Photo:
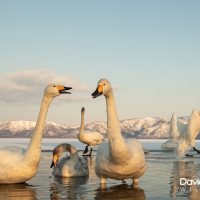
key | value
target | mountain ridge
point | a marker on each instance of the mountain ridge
(143, 128)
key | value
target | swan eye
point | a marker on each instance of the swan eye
(104, 84)
(54, 86)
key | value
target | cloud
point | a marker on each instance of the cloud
(27, 86)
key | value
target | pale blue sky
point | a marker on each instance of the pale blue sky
(149, 50)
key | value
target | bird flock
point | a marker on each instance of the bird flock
(116, 158)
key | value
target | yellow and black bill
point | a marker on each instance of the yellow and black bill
(98, 91)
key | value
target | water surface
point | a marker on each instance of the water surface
(161, 180)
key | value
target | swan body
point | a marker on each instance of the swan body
(187, 138)
(68, 166)
(129, 167)
(117, 158)
(18, 165)
(90, 138)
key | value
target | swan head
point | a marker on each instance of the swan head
(82, 110)
(58, 151)
(54, 90)
(103, 87)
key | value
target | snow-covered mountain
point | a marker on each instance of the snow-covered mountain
(148, 127)
(26, 128)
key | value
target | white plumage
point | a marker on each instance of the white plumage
(173, 133)
(69, 166)
(18, 165)
(183, 135)
(90, 138)
(118, 158)
(187, 138)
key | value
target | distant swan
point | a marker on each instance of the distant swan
(18, 165)
(68, 166)
(118, 158)
(91, 138)
(186, 140)
(173, 133)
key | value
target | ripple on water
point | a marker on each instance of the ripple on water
(161, 181)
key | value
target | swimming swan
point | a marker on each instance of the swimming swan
(18, 165)
(68, 166)
(91, 138)
(118, 158)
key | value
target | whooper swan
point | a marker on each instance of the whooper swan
(187, 138)
(18, 165)
(173, 133)
(68, 166)
(90, 138)
(118, 158)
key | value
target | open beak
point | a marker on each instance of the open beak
(63, 90)
(98, 91)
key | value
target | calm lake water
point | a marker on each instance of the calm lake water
(161, 180)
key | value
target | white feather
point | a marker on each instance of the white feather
(175, 131)
(118, 158)
(187, 138)
(90, 138)
(18, 165)
(71, 166)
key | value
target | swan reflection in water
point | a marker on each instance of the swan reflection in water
(80, 187)
(188, 170)
(122, 191)
(68, 188)
(17, 191)
(76, 188)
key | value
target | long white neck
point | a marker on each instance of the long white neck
(118, 148)
(174, 133)
(32, 155)
(82, 126)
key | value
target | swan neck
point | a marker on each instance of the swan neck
(194, 125)
(112, 118)
(34, 148)
(82, 126)
(174, 133)
(117, 146)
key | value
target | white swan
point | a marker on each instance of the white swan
(68, 166)
(173, 133)
(118, 158)
(18, 165)
(187, 138)
(91, 138)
